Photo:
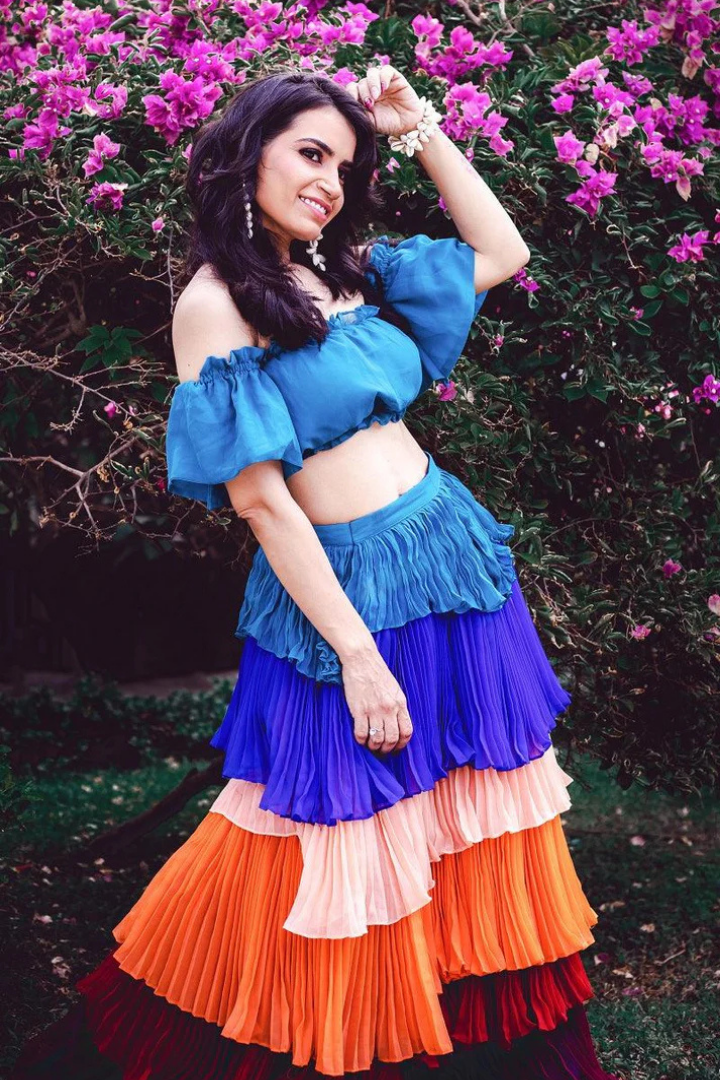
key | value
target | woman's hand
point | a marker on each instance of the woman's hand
(376, 700)
(391, 99)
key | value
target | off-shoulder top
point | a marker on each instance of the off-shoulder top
(263, 404)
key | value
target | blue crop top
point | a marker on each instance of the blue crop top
(263, 404)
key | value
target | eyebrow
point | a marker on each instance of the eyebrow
(322, 145)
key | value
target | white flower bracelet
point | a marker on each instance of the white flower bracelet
(410, 141)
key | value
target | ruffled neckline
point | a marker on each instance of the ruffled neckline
(247, 357)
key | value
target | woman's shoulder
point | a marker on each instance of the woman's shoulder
(206, 298)
(206, 320)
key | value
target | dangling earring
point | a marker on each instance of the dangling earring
(248, 213)
(317, 258)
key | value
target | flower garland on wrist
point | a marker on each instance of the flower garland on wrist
(411, 141)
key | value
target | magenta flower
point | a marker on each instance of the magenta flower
(709, 389)
(158, 224)
(569, 149)
(103, 149)
(106, 196)
(639, 632)
(393, 164)
(185, 104)
(563, 104)
(446, 391)
(690, 248)
(714, 603)
(596, 186)
(669, 568)
(111, 101)
(111, 408)
(524, 281)
(629, 44)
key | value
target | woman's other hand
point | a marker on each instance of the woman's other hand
(376, 700)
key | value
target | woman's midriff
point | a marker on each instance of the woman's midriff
(356, 477)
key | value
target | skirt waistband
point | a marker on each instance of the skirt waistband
(360, 528)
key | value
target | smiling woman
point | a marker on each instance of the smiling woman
(383, 885)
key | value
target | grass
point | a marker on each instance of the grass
(648, 863)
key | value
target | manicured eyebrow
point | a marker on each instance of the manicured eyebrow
(322, 145)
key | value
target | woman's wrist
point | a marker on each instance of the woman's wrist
(356, 647)
(413, 141)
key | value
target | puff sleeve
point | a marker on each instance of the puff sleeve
(431, 283)
(232, 416)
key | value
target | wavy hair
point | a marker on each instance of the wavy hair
(226, 153)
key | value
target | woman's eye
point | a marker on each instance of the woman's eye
(311, 150)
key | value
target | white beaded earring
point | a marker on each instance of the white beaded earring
(317, 258)
(248, 214)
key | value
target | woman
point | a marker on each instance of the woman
(383, 884)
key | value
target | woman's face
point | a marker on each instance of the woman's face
(294, 168)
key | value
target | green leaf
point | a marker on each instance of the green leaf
(639, 327)
(574, 391)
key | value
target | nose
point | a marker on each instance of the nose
(331, 186)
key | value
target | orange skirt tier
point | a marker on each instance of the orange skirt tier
(207, 935)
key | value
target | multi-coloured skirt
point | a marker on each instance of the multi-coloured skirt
(338, 912)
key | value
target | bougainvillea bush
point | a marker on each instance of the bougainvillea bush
(585, 409)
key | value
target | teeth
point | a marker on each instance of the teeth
(311, 202)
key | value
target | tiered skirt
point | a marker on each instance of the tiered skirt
(338, 912)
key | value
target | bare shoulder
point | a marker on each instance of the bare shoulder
(205, 323)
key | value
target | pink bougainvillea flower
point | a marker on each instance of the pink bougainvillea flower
(429, 30)
(106, 196)
(41, 135)
(186, 103)
(629, 44)
(639, 632)
(563, 104)
(709, 390)
(499, 340)
(103, 149)
(669, 568)
(714, 603)
(447, 390)
(690, 248)
(111, 100)
(111, 408)
(524, 281)
(344, 76)
(158, 224)
(596, 186)
(393, 164)
(569, 149)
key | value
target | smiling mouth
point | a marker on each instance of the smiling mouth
(315, 207)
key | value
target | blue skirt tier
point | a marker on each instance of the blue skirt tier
(433, 577)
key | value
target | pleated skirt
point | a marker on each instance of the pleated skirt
(336, 912)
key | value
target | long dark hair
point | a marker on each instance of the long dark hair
(225, 153)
